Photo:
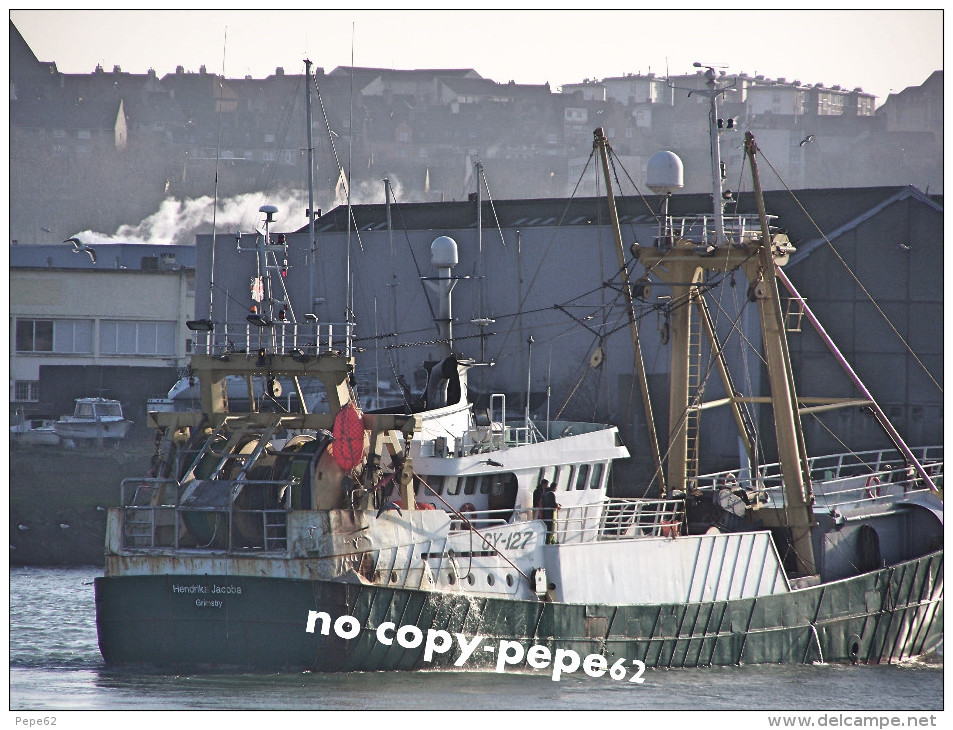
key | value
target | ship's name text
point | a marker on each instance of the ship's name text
(206, 590)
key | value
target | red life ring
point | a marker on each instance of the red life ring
(873, 487)
(348, 431)
(465, 511)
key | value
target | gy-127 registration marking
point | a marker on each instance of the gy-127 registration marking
(509, 539)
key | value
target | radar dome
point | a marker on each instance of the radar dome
(443, 252)
(664, 173)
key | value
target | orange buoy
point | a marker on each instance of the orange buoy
(348, 434)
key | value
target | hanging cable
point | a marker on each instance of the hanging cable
(852, 275)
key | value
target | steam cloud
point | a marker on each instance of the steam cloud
(178, 221)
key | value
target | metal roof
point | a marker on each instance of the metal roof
(831, 209)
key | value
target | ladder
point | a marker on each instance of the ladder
(695, 392)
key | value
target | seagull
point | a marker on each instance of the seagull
(809, 138)
(64, 526)
(905, 246)
(22, 527)
(80, 246)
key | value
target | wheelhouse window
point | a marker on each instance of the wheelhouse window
(598, 470)
(568, 474)
(108, 409)
(582, 476)
(436, 487)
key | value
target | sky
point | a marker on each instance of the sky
(879, 51)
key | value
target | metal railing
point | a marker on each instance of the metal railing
(701, 228)
(155, 517)
(611, 519)
(309, 338)
(840, 479)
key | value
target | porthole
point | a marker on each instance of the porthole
(450, 578)
(471, 579)
(393, 576)
(509, 579)
(490, 580)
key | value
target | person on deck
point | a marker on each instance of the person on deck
(538, 498)
(549, 507)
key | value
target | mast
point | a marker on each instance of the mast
(390, 223)
(717, 177)
(307, 96)
(479, 226)
(602, 144)
(792, 454)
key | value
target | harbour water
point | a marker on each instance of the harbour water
(55, 665)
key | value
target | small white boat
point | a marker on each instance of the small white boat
(33, 431)
(94, 419)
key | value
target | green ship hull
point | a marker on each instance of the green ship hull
(242, 623)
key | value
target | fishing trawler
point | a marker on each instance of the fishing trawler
(338, 541)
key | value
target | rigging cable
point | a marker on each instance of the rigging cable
(853, 276)
(542, 258)
(337, 159)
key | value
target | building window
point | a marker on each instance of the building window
(26, 390)
(65, 336)
(119, 337)
(73, 336)
(34, 335)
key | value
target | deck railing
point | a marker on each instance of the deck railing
(309, 338)
(612, 519)
(840, 479)
(702, 228)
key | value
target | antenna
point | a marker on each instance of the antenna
(311, 253)
(717, 171)
(218, 149)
